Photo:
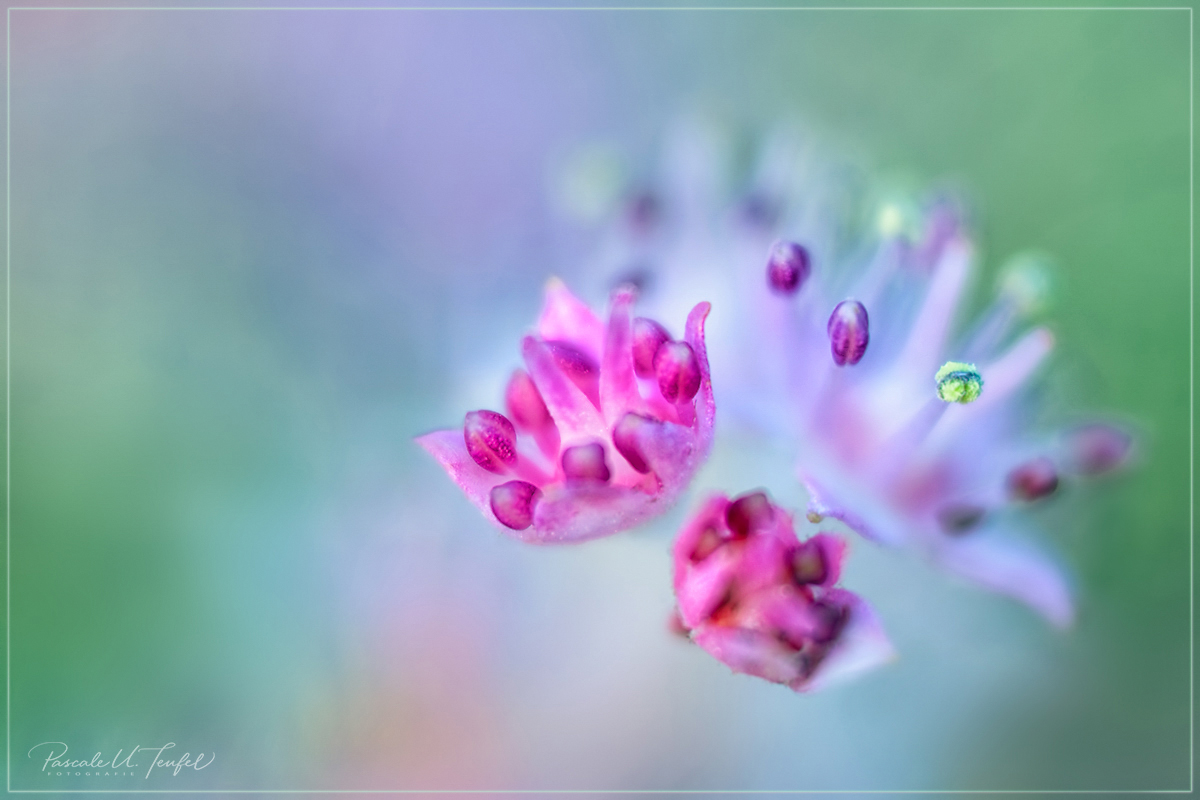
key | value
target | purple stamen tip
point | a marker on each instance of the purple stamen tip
(678, 372)
(808, 563)
(513, 503)
(960, 518)
(748, 513)
(788, 267)
(848, 335)
(1098, 448)
(1033, 480)
(525, 403)
(624, 437)
(491, 440)
(585, 462)
(648, 336)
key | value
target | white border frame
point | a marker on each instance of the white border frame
(9, 11)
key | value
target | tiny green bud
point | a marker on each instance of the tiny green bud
(958, 382)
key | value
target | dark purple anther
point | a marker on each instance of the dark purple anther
(808, 563)
(513, 503)
(491, 440)
(648, 336)
(848, 335)
(788, 267)
(577, 365)
(525, 404)
(1099, 448)
(678, 372)
(624, 438)
(1033, 480)
(960, 518)
(748, 513)
(585, 462)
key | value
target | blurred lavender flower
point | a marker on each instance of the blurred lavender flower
(604, 430)
(837, 347)
(764, 603)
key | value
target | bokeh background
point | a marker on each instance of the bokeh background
(254, 252)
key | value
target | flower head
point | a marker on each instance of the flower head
(762, 602)
(842, 347)
(605, 426)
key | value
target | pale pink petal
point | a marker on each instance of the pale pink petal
(618, 384)
(673, 453)
(450, 450)
(567, 318)
(867, 517)
(706, 409)
(575, 415)
(576, 513)
(861, 646)
(927, 338)
(750, 652)
(1013, 568)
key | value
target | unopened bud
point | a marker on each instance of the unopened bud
(678, 372)
(624, 438)
(958, 382)
(585, 462)
(491, 440)
(648, 336)
(513, 503)
(808, 563)
(848, 334)
(578, 366)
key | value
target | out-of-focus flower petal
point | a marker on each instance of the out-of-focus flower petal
(567, 318)
(1012, 568)
(448, 447)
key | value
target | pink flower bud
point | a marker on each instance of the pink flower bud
(788, 267)
(513, 503)
(808, 563)
(624, 438)
(648, 336)
(585, 462)
(1033, 480)
(678, 372)
(764, 603)
(848, 334)
(525, 404)
(491, 440)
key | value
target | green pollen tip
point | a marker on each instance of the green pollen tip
(958, 382)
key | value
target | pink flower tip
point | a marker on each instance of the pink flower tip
(764, 603)
(593, 451)
(788, 267)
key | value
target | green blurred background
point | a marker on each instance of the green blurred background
(254, 253)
